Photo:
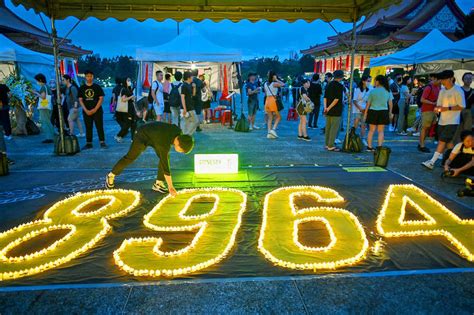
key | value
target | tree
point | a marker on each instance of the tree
(306, 63)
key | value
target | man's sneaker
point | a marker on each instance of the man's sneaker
(300, 137)
(369, 149)
(103, 145)
(87, 146)
(423, 149)
(270, 136)
(306, 138)
(428, 164)
(256, 127)
(118, 139)
(159, 186)
(109, 181)
(273, 133)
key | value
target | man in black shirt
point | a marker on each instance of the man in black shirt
(189, 113)
(91, 97)
(197, 97)
(160, 136)
(5, 111)
(315, 91)
(333, 97)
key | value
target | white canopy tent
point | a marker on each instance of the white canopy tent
(28, 62)
(189, 50)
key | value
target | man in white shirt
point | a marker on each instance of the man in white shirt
(157, 94)
(449, 104)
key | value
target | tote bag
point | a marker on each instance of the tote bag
(122, 106)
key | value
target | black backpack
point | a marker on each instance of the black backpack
(150, 97)
(175, 96)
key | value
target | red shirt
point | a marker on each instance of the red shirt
(430, 93)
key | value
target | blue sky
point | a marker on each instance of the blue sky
(111, 37)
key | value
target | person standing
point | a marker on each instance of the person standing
(166, 97)
(126, 118)
(271, 107)
(361, 94)
(45, 107)
(314, 92)
(157, 95)
(378, 110)
(175, 98)
(466, 113)
(5, 111)
(303, 91)
(189, 114)
(395, 89)
(252, 99)
(206, 98)
(91, 97)
(71, 99)
(450, 103)
(115, 94)
(160, 136)
(403, 104)
(333, 99)
(197, 95)
(428, 104)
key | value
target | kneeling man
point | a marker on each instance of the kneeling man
(160, 136)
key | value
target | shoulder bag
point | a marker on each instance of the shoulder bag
(278, 99)
(122, 106)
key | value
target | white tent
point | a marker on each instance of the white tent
(433, 43)
(28, 62)
(189, 50)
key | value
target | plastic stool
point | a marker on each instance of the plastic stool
(217, 114)
(226, 117)
(292, 114)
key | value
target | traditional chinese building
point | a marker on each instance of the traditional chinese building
(33, 38)
(388, 31)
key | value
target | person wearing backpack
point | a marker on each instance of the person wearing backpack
(206, 98)
(71, 98)
(428, 104)
(175, 98)
(45, 107)
(157, 96)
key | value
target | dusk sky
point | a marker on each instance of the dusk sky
(111, 37)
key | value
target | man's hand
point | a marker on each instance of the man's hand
(172, 191)
(87, 112)
(456, 172)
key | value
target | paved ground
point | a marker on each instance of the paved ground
(423, 293)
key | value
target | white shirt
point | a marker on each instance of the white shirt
(452, 97)
(361, 98)
(159, 93)
(457, 149)
(270, 89)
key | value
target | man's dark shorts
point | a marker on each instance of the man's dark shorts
(446, 133)
(253, 107)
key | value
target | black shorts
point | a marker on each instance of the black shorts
(378, 117)
(395, 108)
(446, 133)
(167, 107)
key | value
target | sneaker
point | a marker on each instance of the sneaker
(306, 138)
(428, 164)
(109, 181)
(337, 141)
(87, 146)
(416, 134)
(310, 127)
(7, 137)
(250, 128)
(103, 145)
(369, 149)
(365, 142)
(273, 133)
(118, 139)
(270, 136)
(159, 186)
(10, 162)
(256, 128)
(402, 133)
(423, 149)
(411, 129)
(300, 137)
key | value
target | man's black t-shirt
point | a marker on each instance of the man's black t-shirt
(469, 98)
(90, 95)
(187, 91)
(4, 97)
(160, 137)
(197, 97)
(314, 92)
(334, 90)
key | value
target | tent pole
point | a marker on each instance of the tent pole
(54, 34)
(351, 83)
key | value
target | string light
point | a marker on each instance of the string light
(63, 215)
(324, 195)
(166, 208)
(441, 221)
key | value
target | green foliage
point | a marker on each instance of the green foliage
(288, 67)
(105, 68)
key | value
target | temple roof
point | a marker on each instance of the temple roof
(32, 37)
(395, 28)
